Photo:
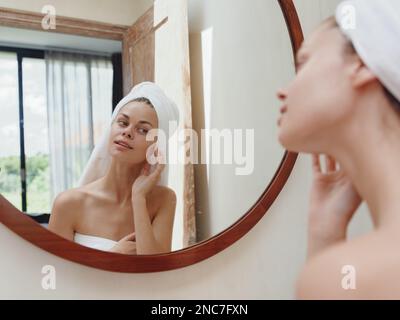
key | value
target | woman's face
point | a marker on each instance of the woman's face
(318, 101)
(130, 128)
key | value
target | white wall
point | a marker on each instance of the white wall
(250, 57)
(262, 265)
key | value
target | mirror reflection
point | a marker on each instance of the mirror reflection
(161, 163)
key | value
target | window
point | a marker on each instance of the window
(26, 152)
(36, 135)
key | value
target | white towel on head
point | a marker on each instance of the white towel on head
(373, 26)
(168, 118)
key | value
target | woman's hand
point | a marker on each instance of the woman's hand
(333, 201)
(126, 245)
(146, 181)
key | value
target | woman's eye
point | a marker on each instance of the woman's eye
(143, 131)
(123, 122)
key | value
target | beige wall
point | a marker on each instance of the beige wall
(262, 265)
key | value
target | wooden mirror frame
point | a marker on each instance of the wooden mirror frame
(33, 232)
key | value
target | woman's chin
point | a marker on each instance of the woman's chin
(126, 158)
(287, 141)
(282, 138)
(117, 154)
(118, 150)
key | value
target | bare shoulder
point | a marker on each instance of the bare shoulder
(69, 199)
(65, 212)
(363, 268)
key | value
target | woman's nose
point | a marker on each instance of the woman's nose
(281, 94)
(127, 134)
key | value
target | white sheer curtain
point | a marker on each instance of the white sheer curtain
(79, 103)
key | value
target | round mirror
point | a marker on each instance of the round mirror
(229, 68)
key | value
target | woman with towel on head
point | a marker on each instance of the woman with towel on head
(122, 203)
(344, 105)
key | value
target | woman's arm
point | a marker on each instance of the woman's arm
(153, 237)
(156, 237)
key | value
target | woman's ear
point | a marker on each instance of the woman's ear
(361, 75)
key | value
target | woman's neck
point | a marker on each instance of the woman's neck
(119, 179)
(370, 155)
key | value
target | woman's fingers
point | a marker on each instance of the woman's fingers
(330, 163)
(146, 169)
(129, 237)
(159, 156)
(160, 167)
(160, 163)
(155, 175)
(316, 164)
